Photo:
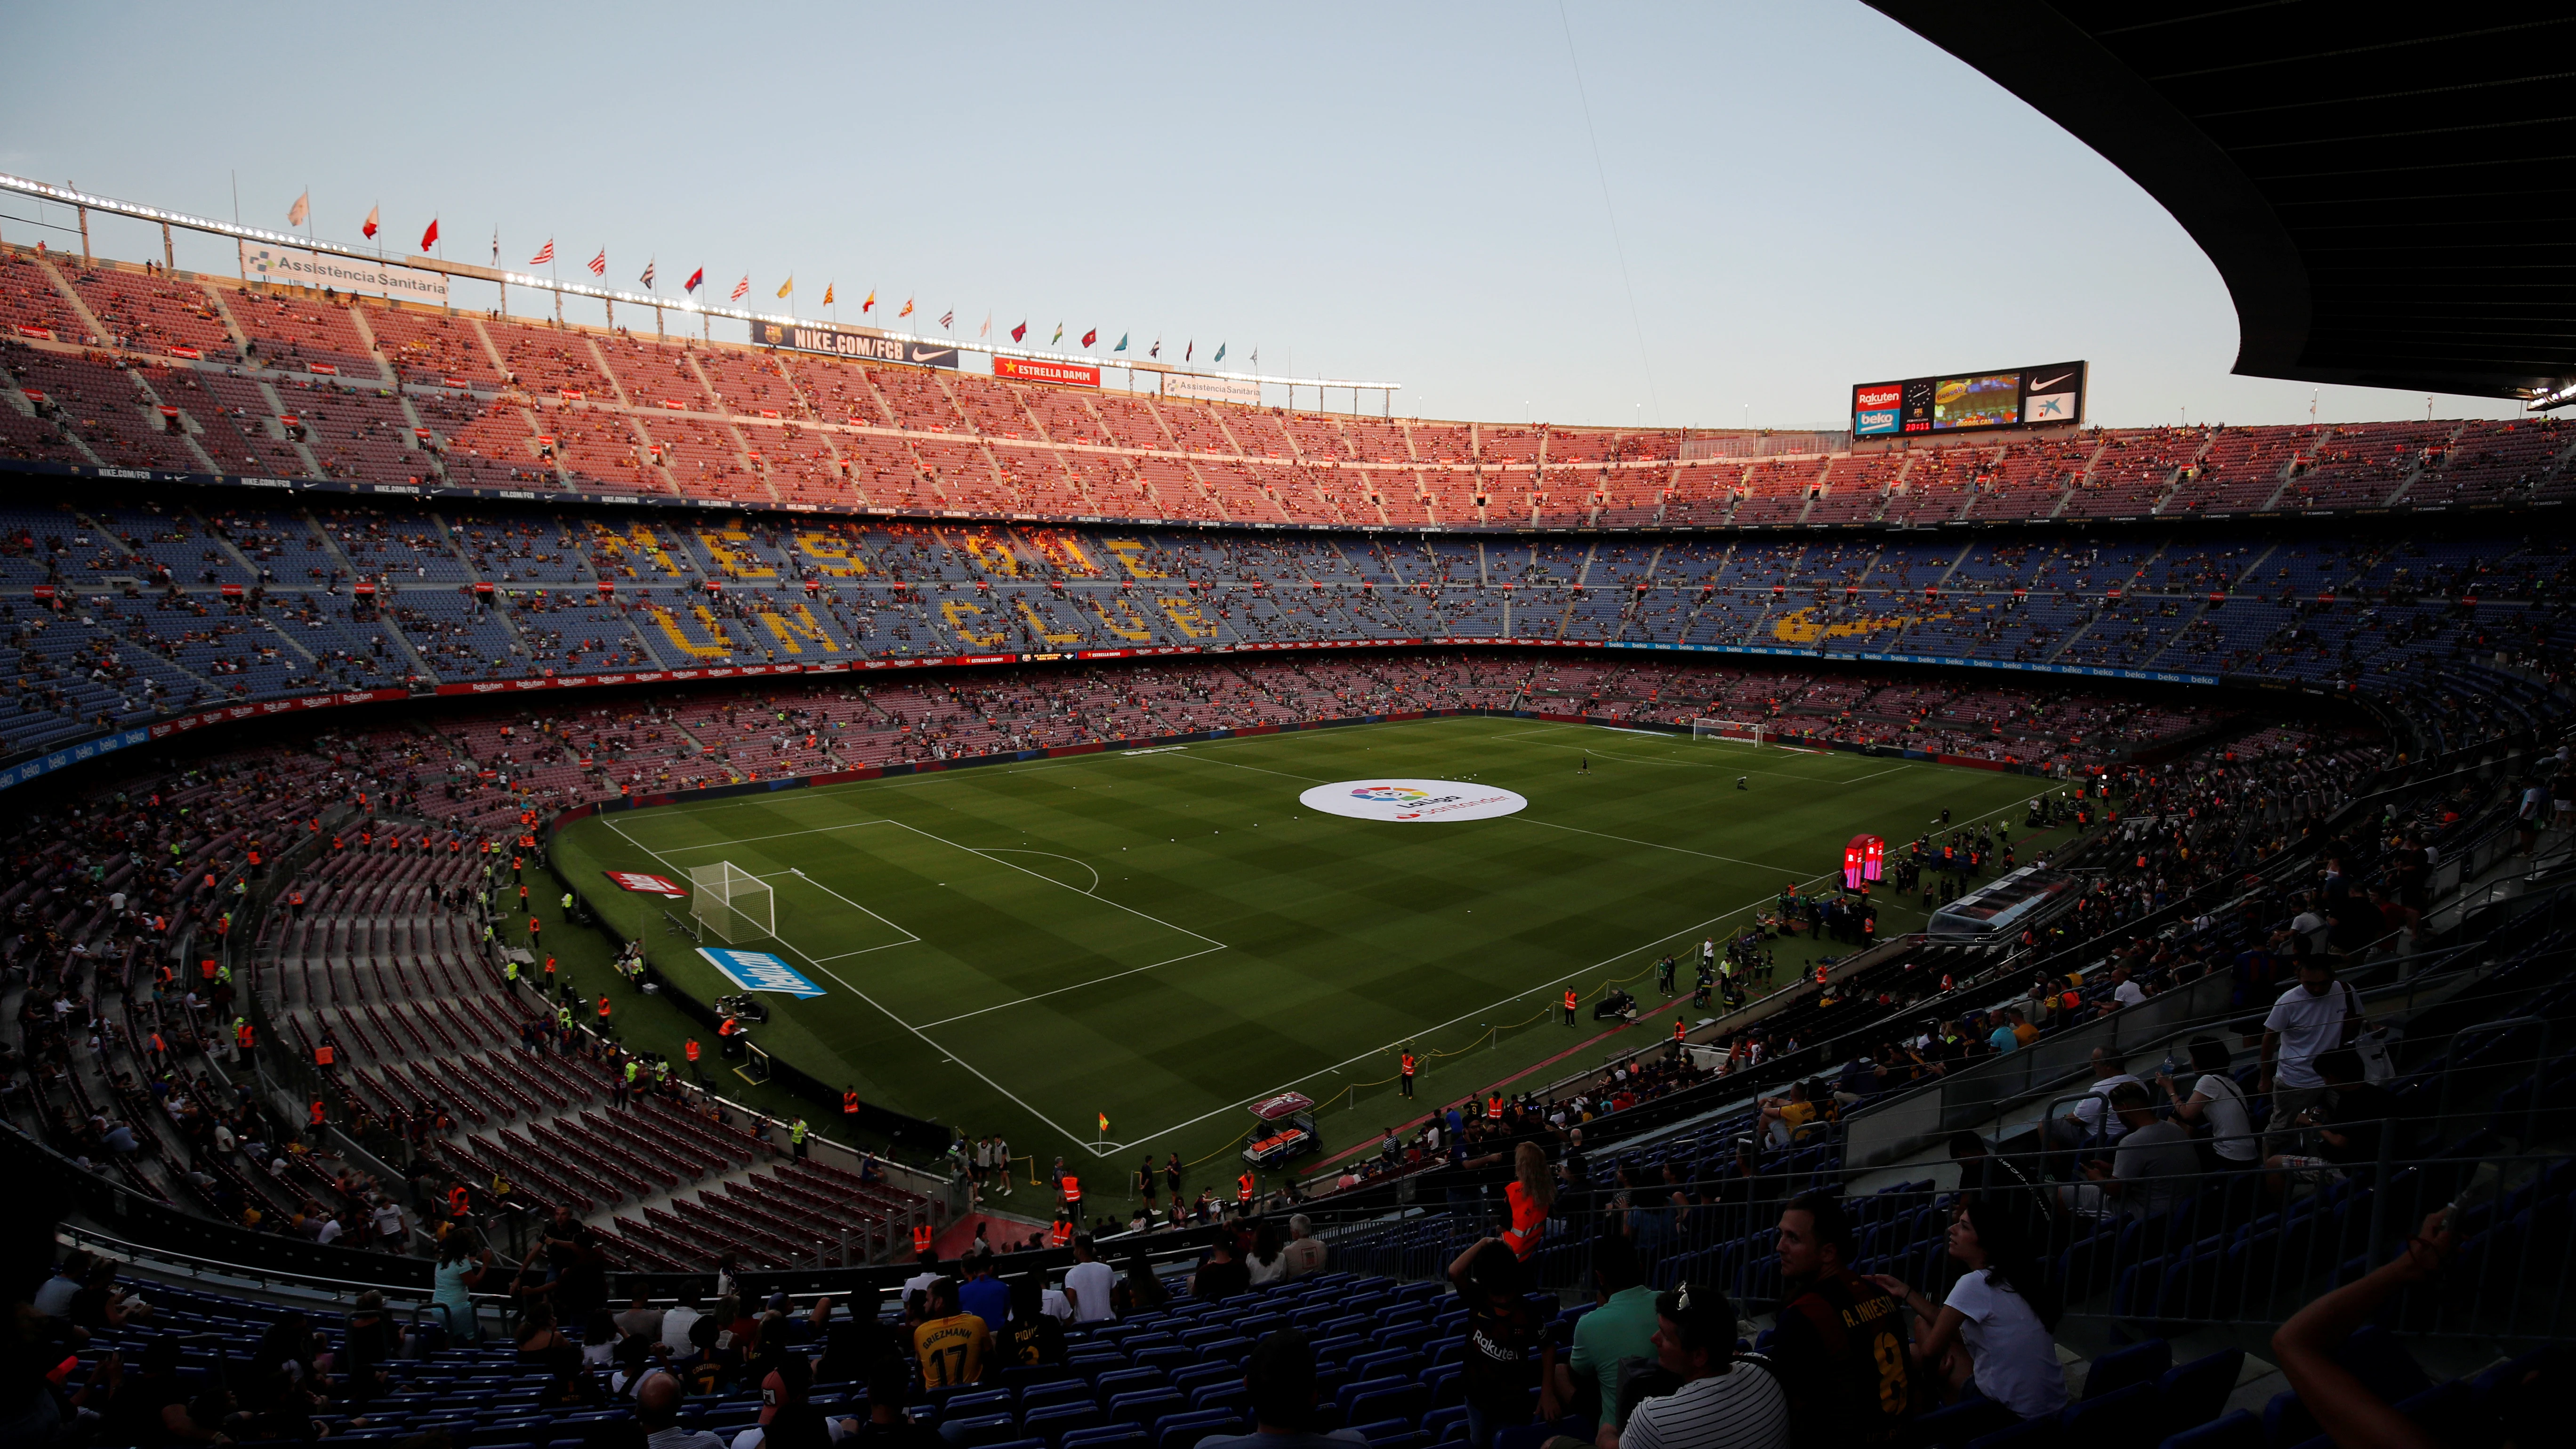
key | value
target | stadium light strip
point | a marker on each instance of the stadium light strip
(2559, 396)
(66, 196)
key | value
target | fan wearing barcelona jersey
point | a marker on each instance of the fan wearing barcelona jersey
(950, 1344)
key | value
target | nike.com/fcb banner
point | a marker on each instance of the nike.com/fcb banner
(1028, 369)
(1971, 402)
(759, 971)
(297, 267)
(865, 346)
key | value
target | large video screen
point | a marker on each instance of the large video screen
(1970, 402)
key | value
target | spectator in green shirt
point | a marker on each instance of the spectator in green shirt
(1620, 1326)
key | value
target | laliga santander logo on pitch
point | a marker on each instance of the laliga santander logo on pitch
(1412, 801)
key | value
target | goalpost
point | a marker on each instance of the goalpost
(1745, 732)
(732, 902)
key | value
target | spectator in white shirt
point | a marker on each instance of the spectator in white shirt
(1088, 1283)
(2089, 1121)
(2313, 1017)
(1721, 1404)
(1995, 1327)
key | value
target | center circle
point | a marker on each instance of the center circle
(1412, 801)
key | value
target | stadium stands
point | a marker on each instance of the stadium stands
(1008, 526)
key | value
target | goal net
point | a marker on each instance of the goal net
(731, 902)
(1747, 732)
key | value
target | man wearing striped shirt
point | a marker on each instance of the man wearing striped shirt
(1723, 1402)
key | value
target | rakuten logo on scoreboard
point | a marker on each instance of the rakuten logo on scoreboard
(1883, 395)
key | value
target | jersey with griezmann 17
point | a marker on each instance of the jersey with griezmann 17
(951, 1350)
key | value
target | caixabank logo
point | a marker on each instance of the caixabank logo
(1413, 801)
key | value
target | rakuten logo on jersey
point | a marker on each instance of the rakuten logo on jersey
(1885, 396)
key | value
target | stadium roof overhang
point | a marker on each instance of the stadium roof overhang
(2384, 188)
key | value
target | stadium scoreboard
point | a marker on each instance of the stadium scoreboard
(1970, 402)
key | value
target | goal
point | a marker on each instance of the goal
(1745, 732)
(732, 903)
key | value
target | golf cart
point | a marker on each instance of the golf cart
(1286, 1130)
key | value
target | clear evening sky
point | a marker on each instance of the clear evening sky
(1806, 195)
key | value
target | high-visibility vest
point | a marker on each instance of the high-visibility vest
(1569, 1001)
(796, 1133)
(206, 969)
(1494, 1106)
(323, 1055)
(693, 1049)
(1681, 1029)
(535, 925)
(510, 971)
(725, 1026)
(849, 1100)
(458, 1205)
(1059, 1235)
(241, 1032)
(1243, 1188)
(1072, 1189)
(603, 1008)
(921, 1238)
(316, 1117)
(1408, 1064)
(631, 1068)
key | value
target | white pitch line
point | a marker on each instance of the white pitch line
(1649, 844)
(1042, 995)
(1541, 988)
(944, 1052)
(1051, 855)
(1874, 774)
(864, 950)
(1050, 880)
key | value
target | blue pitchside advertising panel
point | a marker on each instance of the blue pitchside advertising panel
(759, 971)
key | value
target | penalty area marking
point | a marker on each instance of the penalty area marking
(879, 1006)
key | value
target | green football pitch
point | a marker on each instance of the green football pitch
(1164, 936)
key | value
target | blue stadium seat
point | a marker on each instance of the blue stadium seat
(1052, 1421)
(973, 1431)
(2137, 1364)
(2129, 1418)
(2238, 1429)
(2040, 1433)
(1960, 1424)
(2196, 1392)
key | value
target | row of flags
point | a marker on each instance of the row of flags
(297, 214)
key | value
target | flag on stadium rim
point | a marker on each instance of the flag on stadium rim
(987, 329)
(544, 254)
(599, 264)
(1020, 331)
(1059, 335)
(871, 303)
(742, 288)
(301, 209)
(787, 286)
(695, 277)
(1091, 337)
(1122, 343)
(648, 274)
(369, 229)
(1188, 351)
(1157, 350)
(429, 238)
(948, 318)
(907, 308)
(827, 294)
(1220, 353)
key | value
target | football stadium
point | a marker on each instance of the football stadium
(603, 864)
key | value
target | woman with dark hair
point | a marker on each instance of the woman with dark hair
(1995, 1327)
(1036, 1336)
(1139, 1291)
(463, 1260)
(1266, 1262)
(2218, 1104)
